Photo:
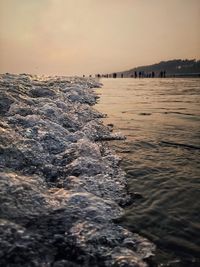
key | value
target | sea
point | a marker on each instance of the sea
(161, 157)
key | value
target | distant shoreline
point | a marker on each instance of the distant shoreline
(176, 68)
(190, 75)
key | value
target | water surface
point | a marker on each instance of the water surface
(161, 120)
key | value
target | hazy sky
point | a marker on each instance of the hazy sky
(88, 36)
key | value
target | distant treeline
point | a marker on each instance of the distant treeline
(171, 68)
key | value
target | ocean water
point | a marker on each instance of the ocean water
(161, 156)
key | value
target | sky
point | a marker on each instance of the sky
(75, 37)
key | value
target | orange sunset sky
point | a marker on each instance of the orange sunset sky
(69, 37)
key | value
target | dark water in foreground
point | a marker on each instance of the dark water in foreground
(161, 120)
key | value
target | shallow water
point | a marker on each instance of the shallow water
(161, 120)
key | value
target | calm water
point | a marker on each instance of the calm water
(161, 120)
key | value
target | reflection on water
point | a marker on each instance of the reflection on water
(161, 119)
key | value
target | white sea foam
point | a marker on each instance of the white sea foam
(61, 185)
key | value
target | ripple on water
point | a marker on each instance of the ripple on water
(162, 159)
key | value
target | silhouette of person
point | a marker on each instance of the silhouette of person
(135, 74)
